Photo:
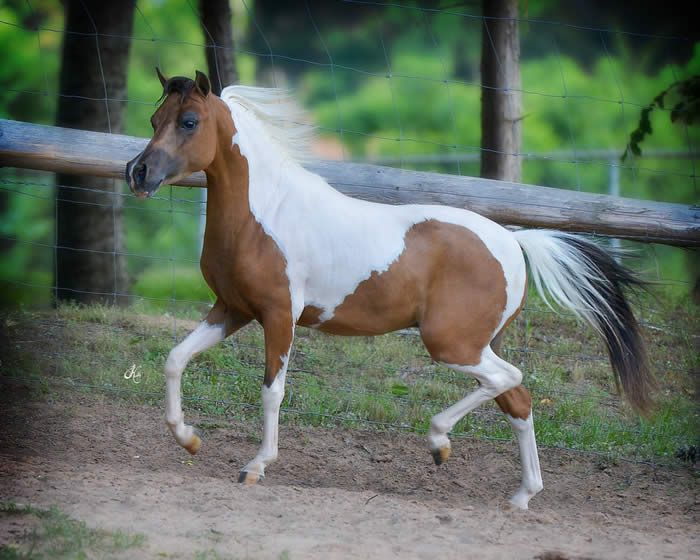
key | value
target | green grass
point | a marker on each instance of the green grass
(52, 534)
(159, 285)
(384, 382)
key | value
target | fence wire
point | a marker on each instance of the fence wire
(177, 210)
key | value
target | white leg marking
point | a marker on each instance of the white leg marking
(495, 377)
(532, 477)
(272, 398)
(203, 337)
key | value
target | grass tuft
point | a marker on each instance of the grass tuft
(56, 535)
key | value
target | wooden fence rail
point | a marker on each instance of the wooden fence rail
(105, 155)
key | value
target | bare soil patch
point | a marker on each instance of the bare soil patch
(332, 494)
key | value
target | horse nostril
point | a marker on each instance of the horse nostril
(141, 174)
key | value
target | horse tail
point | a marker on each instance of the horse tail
(580, 276)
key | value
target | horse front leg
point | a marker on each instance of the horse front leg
(279, 334)
(216, 327)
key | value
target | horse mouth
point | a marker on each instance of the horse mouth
(141, 178)
(147, 193)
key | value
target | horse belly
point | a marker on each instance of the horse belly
(383, 302)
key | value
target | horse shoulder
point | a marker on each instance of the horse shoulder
(247, 270)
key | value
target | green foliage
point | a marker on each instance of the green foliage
(30, 59)
(160, 285)
(565, 107)
(27, 238)
(404, 84)
(686, 109)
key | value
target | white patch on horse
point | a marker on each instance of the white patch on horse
(272, 398)
(532, 477)
(331, 242)
(204, 336)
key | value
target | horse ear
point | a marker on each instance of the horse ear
(163, 79)
(202, 83)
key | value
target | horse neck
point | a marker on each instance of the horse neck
(227, 180)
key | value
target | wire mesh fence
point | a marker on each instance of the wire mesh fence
(394, 83)
(389, 383)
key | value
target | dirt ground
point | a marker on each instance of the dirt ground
(332, 493)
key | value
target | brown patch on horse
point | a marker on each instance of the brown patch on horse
(310, 316)
(466, 294)
(383, 303)
(232, 320)
(515, 402)
(241, 263)
(446, 281)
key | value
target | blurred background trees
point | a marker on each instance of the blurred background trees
(90, 263)
(215, 18)
(384, 83)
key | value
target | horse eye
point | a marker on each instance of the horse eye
(189, 124)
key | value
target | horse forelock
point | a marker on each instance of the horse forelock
(178, 84)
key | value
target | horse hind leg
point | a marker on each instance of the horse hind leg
(517, 406)
(495, 376)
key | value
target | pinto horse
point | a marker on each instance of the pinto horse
(284, 248)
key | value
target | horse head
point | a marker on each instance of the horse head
(184, 135)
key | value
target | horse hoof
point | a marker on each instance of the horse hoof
(516, 504)
(441, 455)
(249, 478)
(194, 444)
(520, 499)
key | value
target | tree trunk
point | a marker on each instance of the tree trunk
(501, 99)
(90, 265)
(215, 17)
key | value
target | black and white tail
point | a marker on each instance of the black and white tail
(580, 276)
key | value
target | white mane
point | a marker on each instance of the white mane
(285, 122)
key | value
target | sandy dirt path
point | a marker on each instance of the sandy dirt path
(332, 493)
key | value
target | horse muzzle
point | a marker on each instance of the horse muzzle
(148, 171)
